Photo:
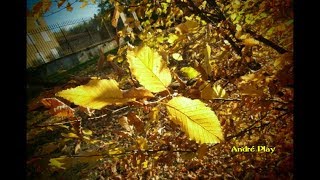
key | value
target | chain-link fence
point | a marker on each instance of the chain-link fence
(47, 43)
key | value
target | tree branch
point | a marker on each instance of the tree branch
(60, 9)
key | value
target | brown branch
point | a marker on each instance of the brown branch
(266, 41)
(249, 128)
(220, 17)
(252, 126)
(54, 124)
(60, 9)
(107, 155)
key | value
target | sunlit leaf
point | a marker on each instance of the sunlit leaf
(55, 162)
(69, 7)
(78, 147)
(115, 151)
(57, 107)
(96, 94)
(154, 114)
(145, 164)
(199, 122)
(60, 3)
(87, 132)
(46, 5)
(123, 121)
(250, 42)
(206, 65)
(111, 57)
(84, 4)
(142, 143)
(37, 9)
(187, 27)
(115, 17)
(209, 92)
(70, 135)
(189, 72)
(263, 15)
(233, 16)
(150, 70)
(172, 38)
(177, 56)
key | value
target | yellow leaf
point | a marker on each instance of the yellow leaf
(190, 72)
(93, 1)
(172, 38)
(69, 8)
(199, 122)
(145, 164)
(218, 92)
(154, 114)
(46, 5)
(142, 143)
(282, 61)
(60, 3)
(115, 17)
(250, 42)
(70, 135)
(78, 147)
(95, 95)
(115, 151)
(149, 69)
(87, 132)
(111, 57)
(206, 62)
(177, 56)
(208, 92)
(84, 4)
(123, 121)
(56, 162)
(186, 27)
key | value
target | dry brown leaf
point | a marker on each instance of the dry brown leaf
(138, 93)
(123, 121)
(202, 150)
(57, 107)
(136, 122)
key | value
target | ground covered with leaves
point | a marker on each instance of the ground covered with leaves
(145, 112)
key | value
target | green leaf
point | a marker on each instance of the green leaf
(199, 122)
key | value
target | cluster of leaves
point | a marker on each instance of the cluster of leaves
(182, 94)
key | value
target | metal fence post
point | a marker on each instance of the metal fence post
(88, 31)
(105, 26)
(66, 39)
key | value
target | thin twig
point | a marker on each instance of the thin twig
(112, 112)
(55, 124)
(60, 9)
(107, 155)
